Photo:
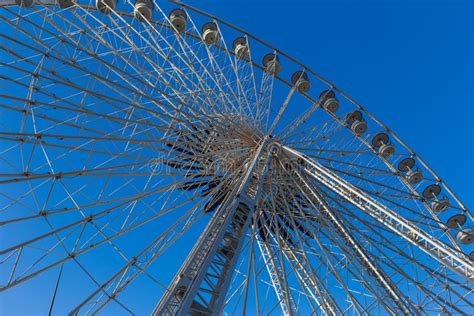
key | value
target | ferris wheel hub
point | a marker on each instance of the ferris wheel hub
(120, 124)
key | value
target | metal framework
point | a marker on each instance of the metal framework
(200, 285)
(151, 163)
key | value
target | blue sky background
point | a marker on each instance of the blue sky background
(409, 62)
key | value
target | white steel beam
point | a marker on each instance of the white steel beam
(193, 289)
(400, 226)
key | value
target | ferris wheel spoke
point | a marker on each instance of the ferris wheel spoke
(238, 295)
(387, 193)
(380, 238)
(97, 283)
(180, 75)
(266, 88)
(326, 261)
(275, 276)
(309, 280)
(64, 246)
(300, 120)
(432, 223)
(285, 275)
(123, 201)
(87, 246)
(206, 71)
(53, 175)
(381, 189)
(253, 88)
(114, 69)
(376, 230)
(392, 198)
(381, 228)
(238, 68)
(130, 131)
(68, 121)
(174, 67)
(330, 261)
(326, 231)
(251, 259)
(330, 151)
(256, 272)
(67, 83)
(139, 262)
(275, 268)
(221, 78)
(278, 277)
(365, 179)
(429, 294)
(300, 263)
(334, 158)
(314, 134)
(427, 208)
(8, 136)
(435, 248)
(272, 263)
(398, 301)
(116, 119)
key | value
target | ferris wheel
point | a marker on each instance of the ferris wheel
(155, 159)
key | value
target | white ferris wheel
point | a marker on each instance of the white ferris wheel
(155, 159)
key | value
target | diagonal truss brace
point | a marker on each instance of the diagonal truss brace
(396, 300)
(287, 304)
(443, 253)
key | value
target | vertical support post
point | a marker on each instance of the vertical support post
(200, 286)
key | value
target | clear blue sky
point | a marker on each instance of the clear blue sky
(409, 62)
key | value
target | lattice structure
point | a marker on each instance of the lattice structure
(157, 159)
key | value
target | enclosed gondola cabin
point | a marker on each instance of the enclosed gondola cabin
(356, 122)
(179, 20)
(210, 33)
(301, 81)
(466, 236)
(381, 143)
(271, 64)
(456, 221)
(328, 100)
(64, 4)
(406, 166)
(142, 10)
(25, 3)
(241, 47)
(106, 6)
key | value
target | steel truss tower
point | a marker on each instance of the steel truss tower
(200, 286)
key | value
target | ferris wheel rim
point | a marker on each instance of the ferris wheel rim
(275, 50)
(253, 63)
(334, 117)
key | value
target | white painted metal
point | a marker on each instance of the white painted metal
(120, 123)
(400, 226)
